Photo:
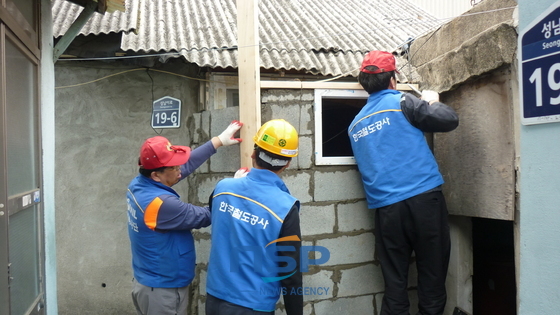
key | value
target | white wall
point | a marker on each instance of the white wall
(539, 235)
(444, 9)
(47, 132)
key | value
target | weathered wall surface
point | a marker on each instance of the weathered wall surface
(482, 40)
(100, 127)
(477, 160)
(469, 60)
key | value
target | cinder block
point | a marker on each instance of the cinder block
(378, 302)
(204, 188)
(330, 186)
(412, 275)
(221, 118)
(316, 220)
(355, 217)
(202, 248)
(204, 168)
(205, 230)
(289, 113)
(305, 154)
(205, 126)
(298, 184)
(354, 305)
(306, 120)
(201, 308)
(366, 279)
(349, 249)
(412, 298)
(307, 309)
(319, 286)
(202, 283)
(227, 159)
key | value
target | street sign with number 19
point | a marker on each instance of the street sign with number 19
(539, 50)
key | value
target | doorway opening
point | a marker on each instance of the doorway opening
(494, 287)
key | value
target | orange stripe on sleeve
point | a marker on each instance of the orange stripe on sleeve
(151, 213)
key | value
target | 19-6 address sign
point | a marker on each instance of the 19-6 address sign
(166, 113)
(539, 46)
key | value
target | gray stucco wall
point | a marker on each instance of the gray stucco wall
(100, 127)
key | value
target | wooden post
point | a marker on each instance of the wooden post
(248, 62)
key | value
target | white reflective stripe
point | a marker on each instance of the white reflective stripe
(272, 161)
(254, 201)
(288, 152)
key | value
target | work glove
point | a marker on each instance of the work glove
(242, 172)
(430, 96)
(226, 137)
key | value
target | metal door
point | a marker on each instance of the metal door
(21, 219)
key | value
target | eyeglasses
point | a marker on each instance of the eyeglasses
(174, 168)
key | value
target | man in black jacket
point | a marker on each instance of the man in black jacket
(402, 182)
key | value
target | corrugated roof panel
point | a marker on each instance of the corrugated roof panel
(65, 13)
(294, 34)
(327, 37)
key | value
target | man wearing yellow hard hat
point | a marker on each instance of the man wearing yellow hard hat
(256, 237)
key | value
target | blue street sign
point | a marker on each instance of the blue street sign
(539, 48)
(166, 113)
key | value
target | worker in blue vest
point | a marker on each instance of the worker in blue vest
(160, 223)
(256, 236)
(402, 182)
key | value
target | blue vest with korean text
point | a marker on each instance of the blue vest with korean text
(393, 156)
(247, 217)
(160, 259)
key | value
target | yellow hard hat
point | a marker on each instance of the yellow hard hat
(279, 137)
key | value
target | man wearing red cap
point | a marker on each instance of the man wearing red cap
(402, 182)
(159, 223)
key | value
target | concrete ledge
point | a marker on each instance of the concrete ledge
(487, 51)
(484, 16)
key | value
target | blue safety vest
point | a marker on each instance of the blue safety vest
(160, 259)
(247, 216)
(393, 156)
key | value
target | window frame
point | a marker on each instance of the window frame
(318, 112)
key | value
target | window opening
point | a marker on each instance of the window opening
(232, 97)
(334, 111)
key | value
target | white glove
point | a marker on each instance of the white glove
(430, 96)
(242, 172)
(226, 137)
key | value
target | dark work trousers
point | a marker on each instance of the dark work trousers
(416, 224)
(216, 306)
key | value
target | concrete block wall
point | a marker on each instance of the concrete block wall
(333, 213)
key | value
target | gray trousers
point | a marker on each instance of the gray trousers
(159, 301)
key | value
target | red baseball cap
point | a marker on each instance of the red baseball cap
(158, 152)
(383, 60)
